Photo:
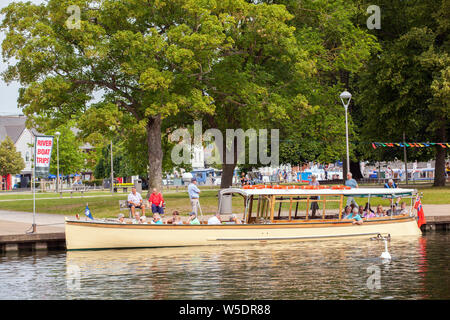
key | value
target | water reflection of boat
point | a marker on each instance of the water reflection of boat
(262, 222)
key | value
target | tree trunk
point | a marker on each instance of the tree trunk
(155, 153)
(355, 169)
(227, 175)
(344, 169)
(228, 166)
(439, 170)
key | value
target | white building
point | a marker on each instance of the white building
(23, 138)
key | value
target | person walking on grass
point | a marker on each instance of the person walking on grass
(350, 182)
(194, 195)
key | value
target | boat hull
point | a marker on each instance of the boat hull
(98, 235)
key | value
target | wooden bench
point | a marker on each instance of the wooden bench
(123, 205)
(75, 188)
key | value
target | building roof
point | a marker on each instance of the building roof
(11, 126)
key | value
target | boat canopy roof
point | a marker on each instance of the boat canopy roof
(356, 192)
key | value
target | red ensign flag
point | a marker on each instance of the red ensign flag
(418, 206)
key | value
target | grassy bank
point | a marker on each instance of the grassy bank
(104, 205)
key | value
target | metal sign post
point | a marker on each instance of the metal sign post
(43, 146)
(33, 187)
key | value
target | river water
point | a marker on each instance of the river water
(334, 269)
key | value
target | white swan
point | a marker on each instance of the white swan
(385, 255)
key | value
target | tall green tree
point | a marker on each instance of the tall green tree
(253, 84)
(71, 157)
(143, 56)
(11, 161)
(405, 89)
(328, 30)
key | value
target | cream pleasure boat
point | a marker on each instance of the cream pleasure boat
(270, 214)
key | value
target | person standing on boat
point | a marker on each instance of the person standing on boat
(314, 204)
(350, 182)
(156, 201)
(194, 194)
(135, 202)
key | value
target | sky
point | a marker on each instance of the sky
(9, 93)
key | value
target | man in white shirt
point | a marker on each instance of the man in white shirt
(215, 219)
(135, 202)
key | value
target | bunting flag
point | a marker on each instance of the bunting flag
(410, 144)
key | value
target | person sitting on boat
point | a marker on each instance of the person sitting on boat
(361, 211)
(234, 219)
(314, 204)
(402, 210)
(156, 201)
(177, 220)
(367, 212)
(391, 185)
(355, 216)
(174, 219)
(156, 219)
(368, 215)
(135, 202)
(350, 182)
(347, 211)
(380, 211)
(215, 219)
(193, 218)
(367, 208)
(143, 220)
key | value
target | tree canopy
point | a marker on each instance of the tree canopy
(134, 71)
(405, 88)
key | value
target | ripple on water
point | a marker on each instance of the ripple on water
(343, 269)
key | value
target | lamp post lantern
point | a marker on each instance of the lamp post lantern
(345, 98)
(57, 134)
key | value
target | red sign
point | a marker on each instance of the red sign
(43, 152)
